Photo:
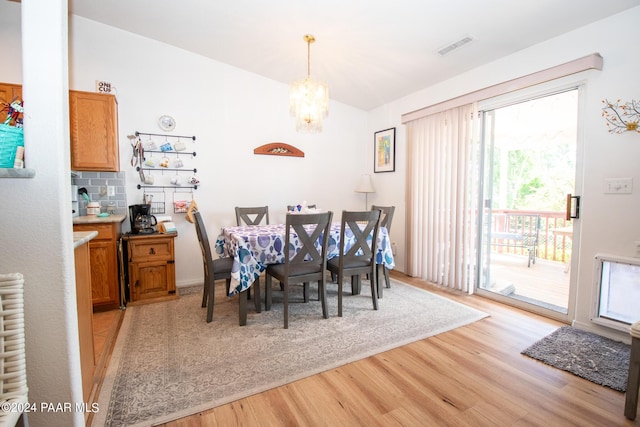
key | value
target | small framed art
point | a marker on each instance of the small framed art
(384, 146)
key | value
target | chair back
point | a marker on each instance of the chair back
(252, 215)
(361, 229)
(312, 231)
(293, 207)
(387, 215)
(207, 260)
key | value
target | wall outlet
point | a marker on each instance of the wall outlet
(618, 185)
(111, 191)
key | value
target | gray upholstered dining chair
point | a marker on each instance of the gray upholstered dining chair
(385, 221)
(252, 215)
(305, 265)
(293, 207)
(360, 258)
(218, 269)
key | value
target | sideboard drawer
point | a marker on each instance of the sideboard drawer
(152, 249)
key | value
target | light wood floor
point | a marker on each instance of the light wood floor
(471, 376)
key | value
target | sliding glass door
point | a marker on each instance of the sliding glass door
(528, 163)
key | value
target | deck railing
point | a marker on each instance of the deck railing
(550, 245)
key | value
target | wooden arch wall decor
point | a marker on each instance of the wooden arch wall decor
(279, 149)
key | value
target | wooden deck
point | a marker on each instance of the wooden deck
(544, 283)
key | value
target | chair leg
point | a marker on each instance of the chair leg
(378, 279)
(633, 381)
(267, 293)
(212, 291)
(205, 294)
(356, 284)
(242, 308)
(322, 296)
(339, 278)
(305, 291)
(374, 288)
(387, 280)
(286, 304)
(256, 296)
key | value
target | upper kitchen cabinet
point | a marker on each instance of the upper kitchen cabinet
(9, 93)
(94, 132)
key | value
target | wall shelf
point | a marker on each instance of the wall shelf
(17, 173)
(140, 186)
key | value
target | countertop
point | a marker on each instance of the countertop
(93, 219)
(82, 237)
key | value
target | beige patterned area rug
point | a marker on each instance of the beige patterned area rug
(169, 363)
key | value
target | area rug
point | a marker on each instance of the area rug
(590, 356)
(169, 363)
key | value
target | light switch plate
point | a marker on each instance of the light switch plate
(618, 185)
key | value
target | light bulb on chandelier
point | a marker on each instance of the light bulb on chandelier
(308, 98)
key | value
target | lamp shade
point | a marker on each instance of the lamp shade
(365, 185)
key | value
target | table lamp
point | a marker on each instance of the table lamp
(365, 186)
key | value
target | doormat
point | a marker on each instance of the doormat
(590, 356)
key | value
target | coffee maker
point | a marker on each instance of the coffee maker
(142, 222)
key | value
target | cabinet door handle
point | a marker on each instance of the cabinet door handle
(137, 285)
(171, 261)
(152, 251)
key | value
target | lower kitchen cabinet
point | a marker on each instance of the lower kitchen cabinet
(85, 318)
(103, 254)
(151, 267)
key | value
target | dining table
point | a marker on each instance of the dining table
(253, 247)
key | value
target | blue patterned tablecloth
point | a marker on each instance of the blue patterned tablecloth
(255, 246)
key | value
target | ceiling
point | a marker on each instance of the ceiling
(370, 52)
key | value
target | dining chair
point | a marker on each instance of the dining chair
(385, 221)
(293, 207)
(252, 215)
(218, 269)
(305, 264)
(360, 258)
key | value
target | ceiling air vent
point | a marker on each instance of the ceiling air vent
(455, 45)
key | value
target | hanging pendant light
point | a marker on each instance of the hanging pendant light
(309, 99)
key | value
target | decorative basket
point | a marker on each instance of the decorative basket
(10, 139)
(13, 375)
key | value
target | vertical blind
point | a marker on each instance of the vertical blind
(441, 197)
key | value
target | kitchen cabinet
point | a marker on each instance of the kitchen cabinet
(8, 93)
(103, 254)
(94, 131)
(151, 267)
(85, 318)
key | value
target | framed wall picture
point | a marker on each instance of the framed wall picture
(384, 146)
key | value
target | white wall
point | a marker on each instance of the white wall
(230, 112)
(609, 223)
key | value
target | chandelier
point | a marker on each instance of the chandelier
(308, 98)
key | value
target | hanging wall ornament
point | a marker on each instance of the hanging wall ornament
(622, 117)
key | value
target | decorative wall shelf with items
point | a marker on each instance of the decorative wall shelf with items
(166, 165)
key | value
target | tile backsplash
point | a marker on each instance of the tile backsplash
(97, 185)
